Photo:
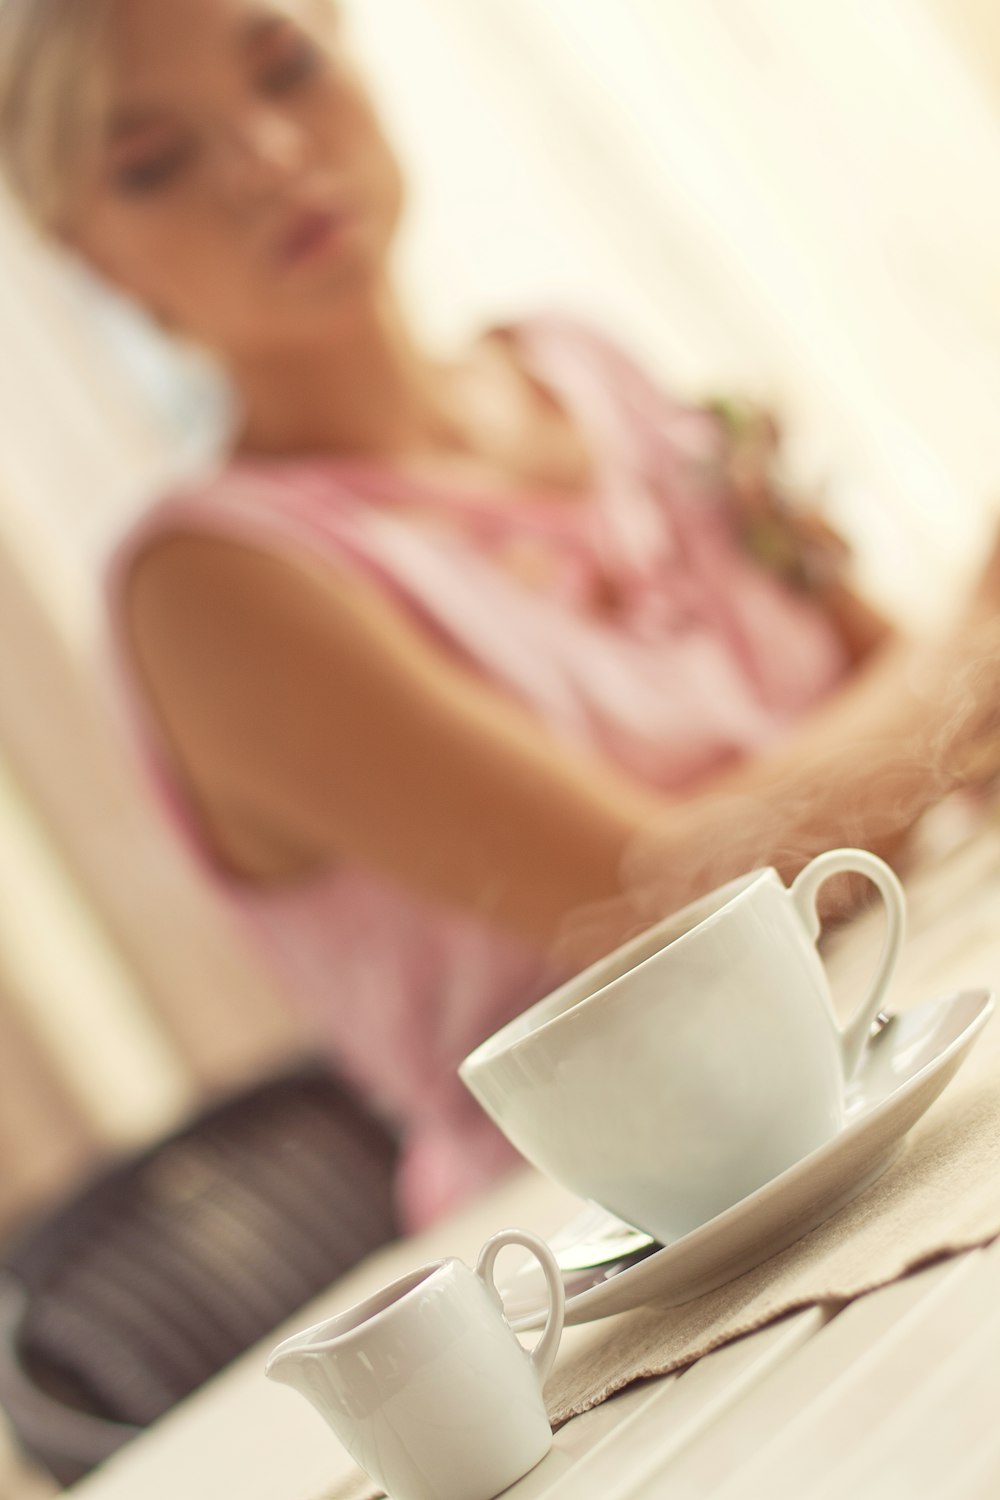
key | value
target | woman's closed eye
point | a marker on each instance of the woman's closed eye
(154, 169)
(295, 66)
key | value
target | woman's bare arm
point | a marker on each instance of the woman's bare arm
(313, 725)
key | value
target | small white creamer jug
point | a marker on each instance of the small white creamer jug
(426, 1384)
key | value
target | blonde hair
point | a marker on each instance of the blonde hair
(53, 75)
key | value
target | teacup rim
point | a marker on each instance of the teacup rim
(493, 1047)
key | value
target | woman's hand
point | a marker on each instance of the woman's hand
(788, 538)
(965, 681)
(784, 535)
(986, 593)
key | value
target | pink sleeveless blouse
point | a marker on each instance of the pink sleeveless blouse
(703, 659)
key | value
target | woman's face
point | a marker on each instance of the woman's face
(243, 189)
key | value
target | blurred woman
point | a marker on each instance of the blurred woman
(457, 670)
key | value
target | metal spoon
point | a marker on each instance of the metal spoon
(597, 1238)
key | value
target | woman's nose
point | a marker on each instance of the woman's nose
(265, 149)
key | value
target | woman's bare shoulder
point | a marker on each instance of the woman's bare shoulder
(245, 653)
(184, 586)
(220, 627)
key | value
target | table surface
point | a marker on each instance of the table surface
(894, 1394)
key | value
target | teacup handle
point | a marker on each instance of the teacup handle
(543, 1355)
(804, 892)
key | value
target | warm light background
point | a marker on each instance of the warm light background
(792, 197)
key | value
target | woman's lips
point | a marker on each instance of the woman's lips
(311, 235)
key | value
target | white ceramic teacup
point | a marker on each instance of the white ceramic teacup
(425, 1383)
(696, 1062)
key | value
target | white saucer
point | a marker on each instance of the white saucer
(903, 1070)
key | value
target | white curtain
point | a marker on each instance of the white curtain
(798, 198)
